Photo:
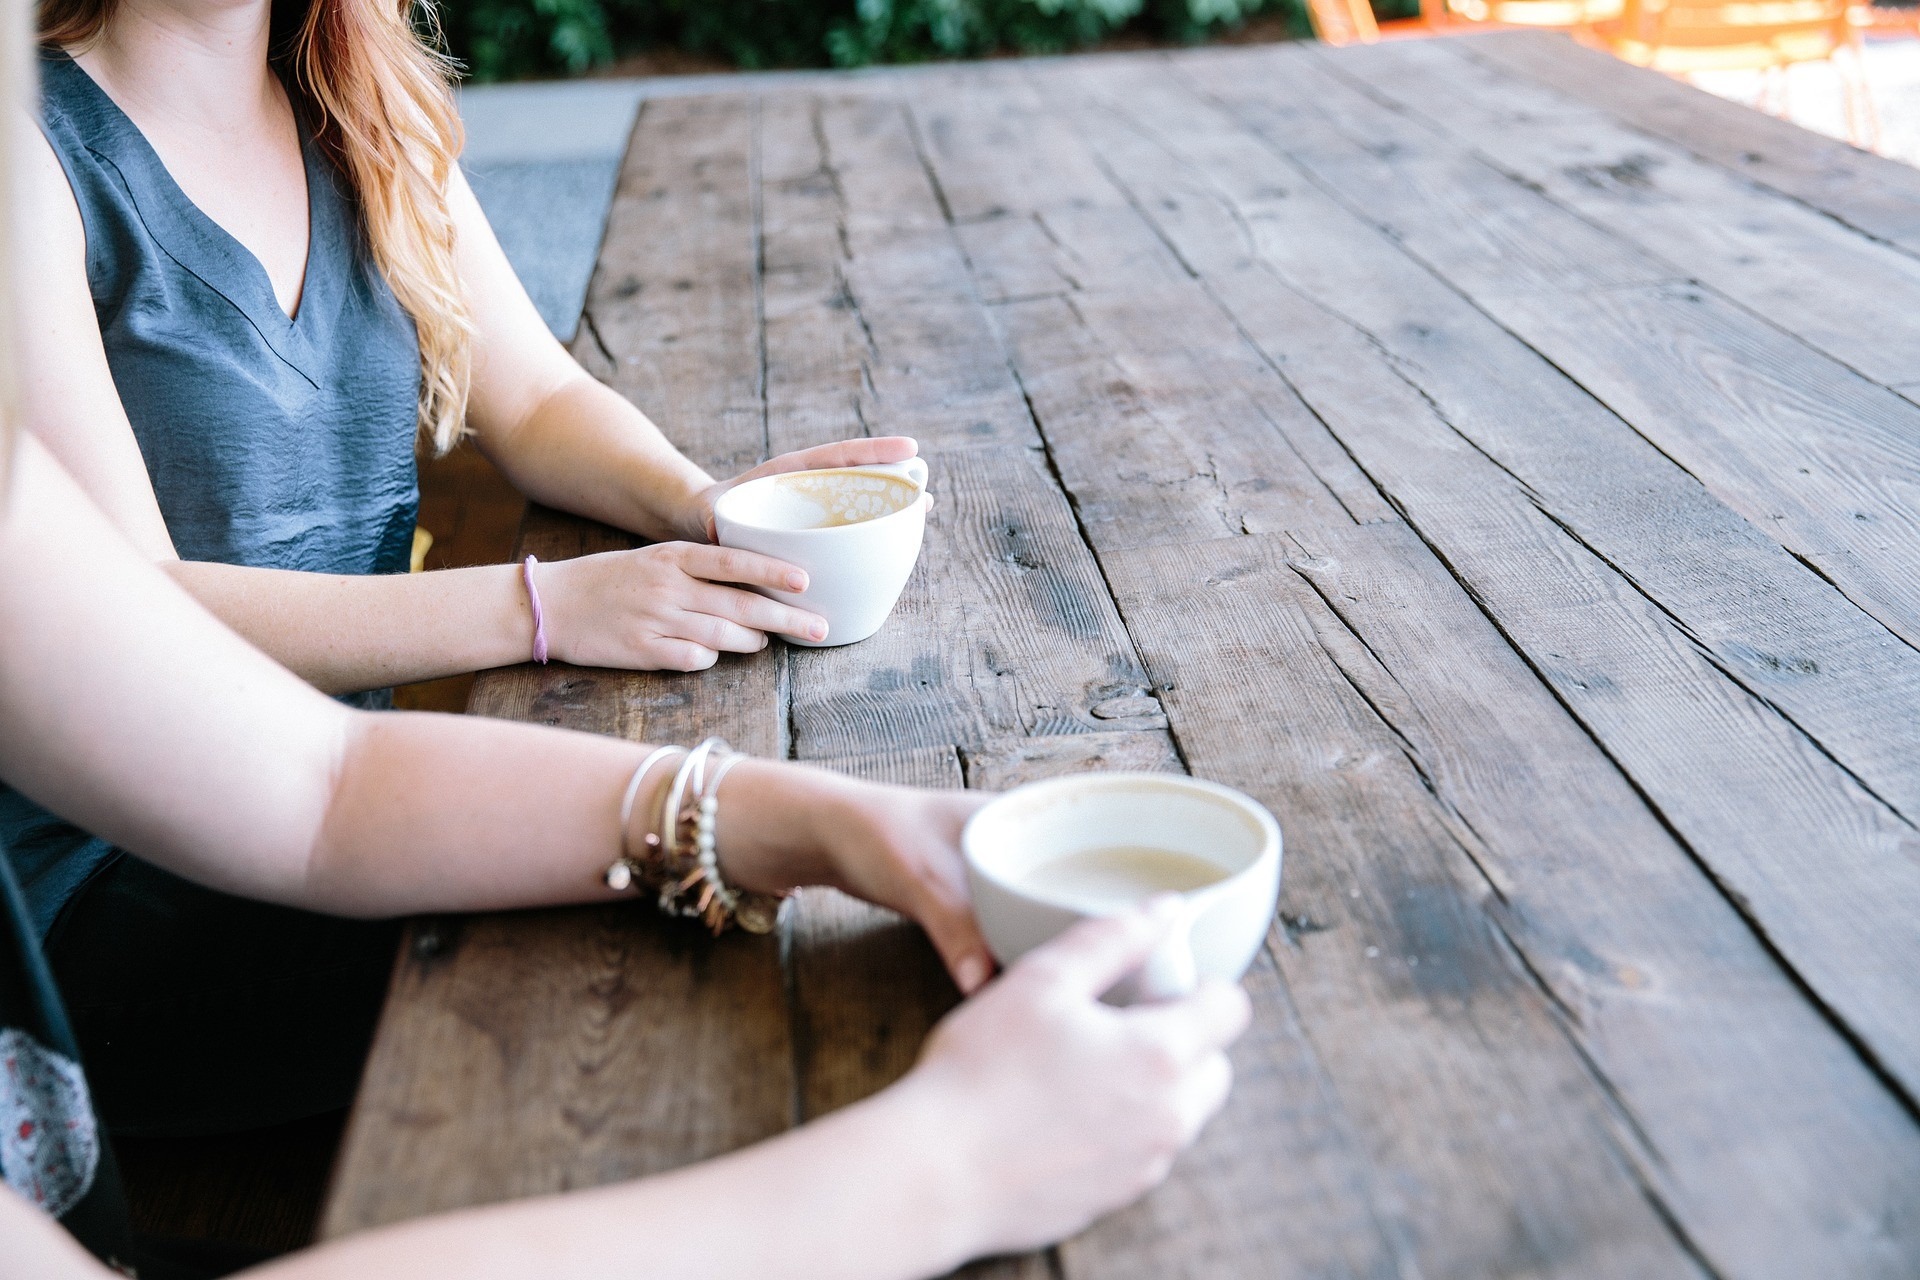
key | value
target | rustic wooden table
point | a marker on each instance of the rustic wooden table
(1491, 456)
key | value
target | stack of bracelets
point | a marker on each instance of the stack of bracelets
(679, 863)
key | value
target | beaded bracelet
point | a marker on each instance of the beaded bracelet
(681, 865)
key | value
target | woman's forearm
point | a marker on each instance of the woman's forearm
(585, 449)
(872, 1192)
(457, 813)
(344, 633)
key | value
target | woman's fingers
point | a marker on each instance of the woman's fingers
(1201, 1094)
(1196, 1026)
(669, 654)
(747, 568)
(758, 612)
(843, 453)
(1093, 955)
(950, 924)
(718, 634)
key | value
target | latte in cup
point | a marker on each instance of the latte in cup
(1116, 876)
(855, 530)
(835, 498)
(1044, 856)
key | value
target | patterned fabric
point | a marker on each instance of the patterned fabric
(52, 1151)
(49, 1142)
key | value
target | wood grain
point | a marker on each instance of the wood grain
(1161, 420)
(1575, 695)
(1822, 459)
(598, 1044)
(1881, 197)
(1478, 440)
(1395, 973)
(1841, 291)
(1697, 1031)
(1804, 447)
(1357, 302)
(875, 328)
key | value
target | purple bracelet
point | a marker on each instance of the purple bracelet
(539, 618)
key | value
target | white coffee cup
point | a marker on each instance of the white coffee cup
(1222, 925)
(855, 530)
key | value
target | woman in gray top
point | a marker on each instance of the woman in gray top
(258, 277)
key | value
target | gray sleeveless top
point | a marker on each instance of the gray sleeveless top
(273, 442)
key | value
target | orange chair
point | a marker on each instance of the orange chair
(1560, 15)
(1343, 21)
(1685, 36)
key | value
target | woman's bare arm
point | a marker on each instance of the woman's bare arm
(128, 708)
(227, 770)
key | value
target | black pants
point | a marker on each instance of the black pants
(198, 1012)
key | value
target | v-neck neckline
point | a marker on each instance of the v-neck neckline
(205, 248)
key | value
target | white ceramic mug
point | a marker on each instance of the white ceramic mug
(855, 530)
(1223, 923)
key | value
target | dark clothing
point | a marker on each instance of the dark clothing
(51, 1149)
(283, 443)
(272, 442)
(198, 1012)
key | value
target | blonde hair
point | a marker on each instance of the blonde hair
(377, 98)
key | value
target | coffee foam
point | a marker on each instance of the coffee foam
(831, 499)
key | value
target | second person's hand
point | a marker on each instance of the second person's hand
(1051, 1108)
(697, 519)
(672, 606)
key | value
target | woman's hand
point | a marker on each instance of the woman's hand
(784, 826)
(667, 607)
(1058, 1108)
(695, 523)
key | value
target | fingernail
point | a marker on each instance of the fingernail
(818, 631)
(797, 581)
(970, 973)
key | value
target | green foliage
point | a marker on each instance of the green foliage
(504, 39)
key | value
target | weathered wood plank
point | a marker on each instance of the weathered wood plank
(1778, 631)
(1880, 197)
(521, 1054)
(1473, 1138)
(1815, 455)
(1804, 447)
(672, 316)
(1167, 429)
(1449, 208)
(1012, 762)
(1518, 479)
(1833, 287)
(1773, 1140)
(874, 326)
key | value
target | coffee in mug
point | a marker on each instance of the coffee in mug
(1043, 856)
(855, 530)
(1114, 877)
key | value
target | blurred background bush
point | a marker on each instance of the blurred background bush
(510, 39)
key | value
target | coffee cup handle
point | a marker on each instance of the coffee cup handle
(913, 471)
(1170, 972)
